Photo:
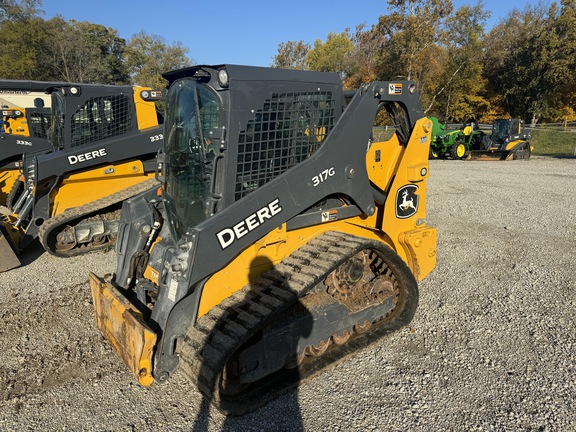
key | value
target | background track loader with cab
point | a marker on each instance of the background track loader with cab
(284, 239)
(104, 142)
(508, 141)
(26, 119)
(25, 131)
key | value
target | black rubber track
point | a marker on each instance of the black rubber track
(209, 345)
(73, 216)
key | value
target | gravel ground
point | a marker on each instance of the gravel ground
(492, 346)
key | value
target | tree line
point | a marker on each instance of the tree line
(523, 67)
(79, 51)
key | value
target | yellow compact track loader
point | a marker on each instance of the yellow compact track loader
(26, 121)
(25, 131)
(26, 118)
(284, 239)
(104, 141)
(508, 141)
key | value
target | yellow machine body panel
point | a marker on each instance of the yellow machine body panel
(381, 161)
(15, 121)
(513, 144)
(145, 111)
(122, 324)
(83, 187)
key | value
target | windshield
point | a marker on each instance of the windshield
(500, 131)
(191, 110)
(56, 132)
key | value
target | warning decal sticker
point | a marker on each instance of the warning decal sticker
(394, 89)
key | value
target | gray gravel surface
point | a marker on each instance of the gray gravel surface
(492, 346)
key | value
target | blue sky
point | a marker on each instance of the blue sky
(240, 32)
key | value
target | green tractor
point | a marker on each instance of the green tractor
(455, 143)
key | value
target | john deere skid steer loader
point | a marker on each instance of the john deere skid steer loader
(25, 131)
(508, 141)
(104, 141)
(26, 120)
(284, 237)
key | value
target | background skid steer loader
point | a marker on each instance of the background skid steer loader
(26, 121)
(26, 116)
(284, 239)
(104, 142)
(508, 141)
(26, 131)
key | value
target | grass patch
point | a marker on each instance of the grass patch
(553, 143)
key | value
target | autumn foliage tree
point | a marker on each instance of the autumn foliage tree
(531, 67)
(148, 56)
(291, 55)
(523, 67)
(460, 89)
(330, 56)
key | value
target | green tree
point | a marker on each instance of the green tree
(330, 56)
(148, 56)
(563, 42)
(23, 36)
(411, 33)
(461, 87)
(531, 67)
(291, 55)
(22, 45)
(362, 60)
(11, 10)
(84, 52)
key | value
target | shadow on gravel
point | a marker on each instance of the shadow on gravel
(31, 253)
(243, 402)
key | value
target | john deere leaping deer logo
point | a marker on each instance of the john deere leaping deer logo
(406, 201)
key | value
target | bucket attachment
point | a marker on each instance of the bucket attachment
(488, 155)
(123, 325)
(8, 257)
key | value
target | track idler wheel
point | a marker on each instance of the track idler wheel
(66, 239)
(362, 281)
(367, 286)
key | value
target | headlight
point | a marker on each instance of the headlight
(223, 78)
